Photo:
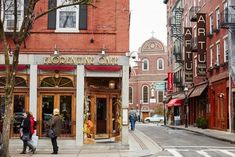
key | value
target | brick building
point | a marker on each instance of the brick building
(149, 71)
(209, 94)
(76, 64)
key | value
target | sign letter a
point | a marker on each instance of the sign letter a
(201, 19)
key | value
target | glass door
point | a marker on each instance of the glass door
(63, 102)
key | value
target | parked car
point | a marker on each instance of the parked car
(154, 118)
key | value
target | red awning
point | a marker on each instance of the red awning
(103, 67)
(175, 102)
(57, 67)
(20, 67)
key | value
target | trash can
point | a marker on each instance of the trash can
(177, 120)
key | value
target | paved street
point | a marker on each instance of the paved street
(181, 143)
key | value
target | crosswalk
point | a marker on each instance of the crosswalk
(195, 151)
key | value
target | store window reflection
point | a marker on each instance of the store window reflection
(19, 109)
(65, 108)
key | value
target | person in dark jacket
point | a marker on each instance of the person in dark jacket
(25, 133)
(55, 124)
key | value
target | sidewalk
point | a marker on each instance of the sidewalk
(220, 135)
(139, 145)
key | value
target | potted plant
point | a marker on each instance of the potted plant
(202, 123)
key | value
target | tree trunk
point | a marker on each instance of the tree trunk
(7, 116)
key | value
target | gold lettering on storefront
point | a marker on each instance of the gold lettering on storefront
(69, 60)
(105, 60)
(108, 60)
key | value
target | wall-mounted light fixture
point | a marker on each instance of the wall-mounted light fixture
(56, 50)
(112, 84)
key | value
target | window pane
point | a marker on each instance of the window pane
(145, 94)
(67, 19)
(19, 109)
(160, 96)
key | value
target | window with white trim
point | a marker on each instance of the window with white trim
(226, 50)
(145, 65)
(217, 18)
(130, 95)
(9, 14)
(160, 64)
(67, 17)
(145, 94)
(211, 56)
(218, 54)
(211, 24)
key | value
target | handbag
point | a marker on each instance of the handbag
(25, 137)
(51, 133)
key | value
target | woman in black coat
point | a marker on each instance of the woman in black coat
(25, 133)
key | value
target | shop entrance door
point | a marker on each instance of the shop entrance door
(101, 117)
(63, 102)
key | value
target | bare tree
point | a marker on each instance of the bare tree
(13, 44)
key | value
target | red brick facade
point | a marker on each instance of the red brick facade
(151, 51)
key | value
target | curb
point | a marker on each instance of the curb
(208, 135)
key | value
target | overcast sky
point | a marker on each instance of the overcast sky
(147, 16)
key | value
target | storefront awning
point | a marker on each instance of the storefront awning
(175, 102)
(57, 67)
(20, 67)
(103, 67)
(198, 90)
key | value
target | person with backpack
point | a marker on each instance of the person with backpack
(132, 118)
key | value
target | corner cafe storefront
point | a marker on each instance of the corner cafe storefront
(79, 86)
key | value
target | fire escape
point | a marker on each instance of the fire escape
(228, 22)
(177, 36)
(176, 33)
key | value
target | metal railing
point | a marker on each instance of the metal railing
(227, 18)
(193, 13)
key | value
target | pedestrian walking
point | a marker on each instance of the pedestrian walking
(132, 118)
(33, 139)
(26, 134)
(55, 124)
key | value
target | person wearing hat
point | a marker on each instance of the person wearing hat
(55, 124)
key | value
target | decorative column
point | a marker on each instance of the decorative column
(125, 104)
(33, 90)
(79, 104)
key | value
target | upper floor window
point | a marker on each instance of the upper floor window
(160, 64)
(211, 56)
(217, 18)
(226, 49)
(145, 65)
(71, 18)
(211, 24)
(130, 95)
(67, 17)
(8, 11)
(218, 54)
(145, 94)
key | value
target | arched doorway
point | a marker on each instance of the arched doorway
(57, 92)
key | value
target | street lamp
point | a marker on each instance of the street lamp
(164, 108)
(140, 109)
(186, 104)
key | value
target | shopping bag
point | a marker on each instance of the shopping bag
(34, 141)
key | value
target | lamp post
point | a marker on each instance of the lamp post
(140, 109)
(186, 104)
(164, 109)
